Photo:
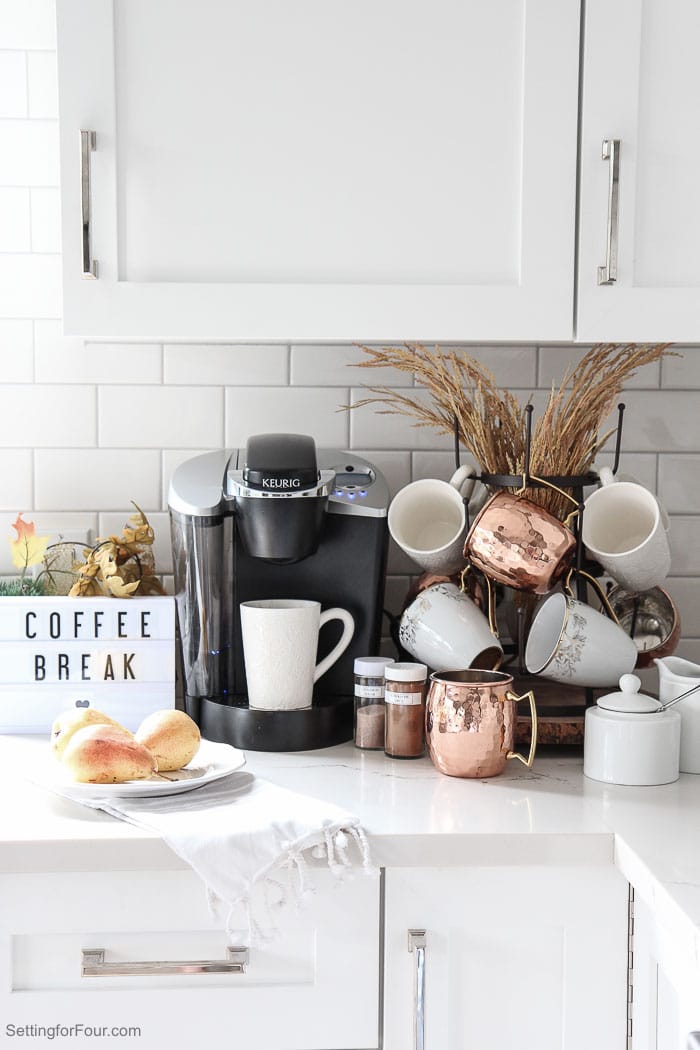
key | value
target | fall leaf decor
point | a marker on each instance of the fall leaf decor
(28, 549)
(120, 566)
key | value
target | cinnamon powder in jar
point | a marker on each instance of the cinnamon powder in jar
(405, 710)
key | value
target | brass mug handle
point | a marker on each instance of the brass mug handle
(491, 593)
(533, 739)
(555, 488)
(596, 587)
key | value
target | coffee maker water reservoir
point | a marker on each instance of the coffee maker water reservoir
(278, 519)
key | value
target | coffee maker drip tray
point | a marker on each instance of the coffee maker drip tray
(328, 722)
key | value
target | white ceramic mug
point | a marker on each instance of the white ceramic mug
(572, 643)
(443, 628)
(625, 530)
(280, 638)
(428, 520)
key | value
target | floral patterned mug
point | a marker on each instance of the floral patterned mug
(573, 643)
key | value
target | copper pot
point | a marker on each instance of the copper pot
(470, 722)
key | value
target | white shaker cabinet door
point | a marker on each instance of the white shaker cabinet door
(666, 981)
(318, 170)
(531, 957)
(641, 93)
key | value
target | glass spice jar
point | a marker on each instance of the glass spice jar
(369, 702)
(405, 710)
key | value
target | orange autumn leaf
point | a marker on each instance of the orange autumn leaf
(28, 548)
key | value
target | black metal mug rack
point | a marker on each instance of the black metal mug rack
(574, 483)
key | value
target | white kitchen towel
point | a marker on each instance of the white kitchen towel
(249, 841)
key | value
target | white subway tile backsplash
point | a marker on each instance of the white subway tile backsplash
(159, 416)
(46, 219)
(16, 351)
(42, 80)
(658, 423)
(29, 24)
(95, 479)
(45, 417)
(29, 152)
(243, 365)
(30, 285)
(372, 427)
(17, 474)
(512, 366)
(679, 490)
(112, 524)
(13, 83)
(314, 411)
(683, 371)
(684, 535)
(15, 232)
(64, 359)
(440, 465)
(323, 364)
(639, 466)
(556, 361)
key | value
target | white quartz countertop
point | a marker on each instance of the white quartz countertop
(412, 814)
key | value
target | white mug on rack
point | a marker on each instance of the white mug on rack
(428, 520)
(280, 638)
(625, 530)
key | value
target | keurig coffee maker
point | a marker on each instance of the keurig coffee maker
(278, 519)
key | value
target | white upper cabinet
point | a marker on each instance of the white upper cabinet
(640, 88)
(324, 170)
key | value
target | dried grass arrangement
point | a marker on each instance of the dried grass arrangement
(491, 421)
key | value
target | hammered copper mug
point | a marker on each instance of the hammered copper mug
(516, 542)
(470, 722)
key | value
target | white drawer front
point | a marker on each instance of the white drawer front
(294, 995)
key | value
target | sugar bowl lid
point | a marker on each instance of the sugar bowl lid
(629, 700)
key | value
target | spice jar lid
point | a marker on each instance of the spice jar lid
(371, 666)
(407, 672)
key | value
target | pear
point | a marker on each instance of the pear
(69, 722)
(172, 736)
(104, 754)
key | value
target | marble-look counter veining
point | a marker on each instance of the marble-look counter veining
(413, 816)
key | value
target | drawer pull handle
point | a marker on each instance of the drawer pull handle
(88, 141)
(93, 965)
(611, 152)
(416, 944)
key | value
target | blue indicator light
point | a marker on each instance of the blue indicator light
(351, 495)
(338, 492)
(363, 493)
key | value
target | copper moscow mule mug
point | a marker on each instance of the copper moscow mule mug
(470, 722)
(516, 542)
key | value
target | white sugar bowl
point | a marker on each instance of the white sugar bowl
(629, 740)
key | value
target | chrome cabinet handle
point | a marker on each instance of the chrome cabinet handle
(416, 943)
(611, 152)
(93, 965)
(87, 145)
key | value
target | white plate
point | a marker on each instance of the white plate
(211, 762)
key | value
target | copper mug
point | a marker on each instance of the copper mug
(470, 722)
(516, 542)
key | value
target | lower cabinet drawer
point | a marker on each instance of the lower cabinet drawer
(315, 986)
